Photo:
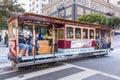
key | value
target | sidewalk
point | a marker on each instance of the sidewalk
(2, 44)
(4, 62)
(3, 51)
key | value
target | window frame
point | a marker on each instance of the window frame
(80, 33)
(93, 33)
(58, 38)
(72, 34)
(87, 34)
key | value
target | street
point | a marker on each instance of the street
(92, 68)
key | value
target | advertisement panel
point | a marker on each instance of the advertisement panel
(78, 44)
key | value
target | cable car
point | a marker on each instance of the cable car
(62, 39)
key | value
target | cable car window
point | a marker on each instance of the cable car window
(91, 35)
(77, 33)
(69, 32)
(85, 33)
(60, 33)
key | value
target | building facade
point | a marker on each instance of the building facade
(35, 6)
(71, 9)
(118, 3)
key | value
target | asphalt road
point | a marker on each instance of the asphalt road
(100, 68)
(92, 68)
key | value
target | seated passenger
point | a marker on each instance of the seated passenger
(84, 35)
(78, 35)
(30, 43)
(91, 35)
(23, 47)
(29, 39)
(40, 37)
(49, 37)
(44, 37)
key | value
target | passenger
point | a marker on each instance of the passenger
(109, 44)
(104, 42)
(49, 34)
(71, 34)
(23, 47)
(49, 37)
(97, 43)
(40, 37)
(84, 35)
(44, 37)
(29, 41)
(91, 35)
(78, 35)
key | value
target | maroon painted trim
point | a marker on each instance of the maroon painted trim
(64, 44)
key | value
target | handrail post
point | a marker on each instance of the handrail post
(33, 47)
(17, 51)
(53, 41)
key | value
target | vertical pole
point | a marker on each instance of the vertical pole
(88, 33)
(110, 37)
(17, 50)
(8, 31)
(53, 41)
(64, 36)
(94, 34)
(74, 33)
(99, 39)
(82, 33)
(33, 47)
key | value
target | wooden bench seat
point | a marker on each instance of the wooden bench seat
(44, 47)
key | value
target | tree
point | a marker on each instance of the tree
(114, 23)
(7, 9)
(94, 18)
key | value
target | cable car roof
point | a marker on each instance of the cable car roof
(41, 20)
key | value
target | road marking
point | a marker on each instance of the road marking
(3, 66)
(80, 75)
(41, 72)
(95, 71)
(109, 75)
(7, 72)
